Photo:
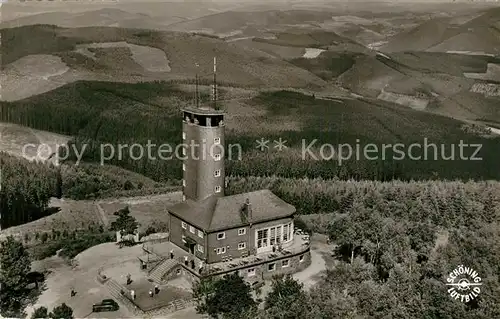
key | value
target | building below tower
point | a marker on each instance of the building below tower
(211, 234)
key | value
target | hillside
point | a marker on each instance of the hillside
(481, 34)
(116, 54)
(419, 80)
(313, 39)
(420, 38)
(132, 14)
(238, 22)
(106, 17)
(100, 112)
(468, 105)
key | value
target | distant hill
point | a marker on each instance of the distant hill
(424, 80)
(481, 34)
(233, 21)
(238, 66)
(468, 105)
(313, 39)
(109, 17)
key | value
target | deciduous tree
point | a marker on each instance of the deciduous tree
(286, 300)
(226, 298)
(62, 312)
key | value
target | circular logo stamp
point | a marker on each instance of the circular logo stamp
(464, 284)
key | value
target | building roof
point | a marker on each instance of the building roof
(195, 213)
(218, 213)
(204, 110)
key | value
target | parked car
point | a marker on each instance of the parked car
(106, 305)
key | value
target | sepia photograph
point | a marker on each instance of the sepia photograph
(250, 159)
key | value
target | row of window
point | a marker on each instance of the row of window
(192, 229)
(217, 157)
(241, 232)
(216, 174)
(222, 250)
(272, 266)
(274, 235)
(216, 139)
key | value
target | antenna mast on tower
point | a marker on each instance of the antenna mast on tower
(214, 86)
(197, 96)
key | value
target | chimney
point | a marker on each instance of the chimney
(248, 209)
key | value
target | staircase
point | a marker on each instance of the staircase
(114, 289)
(163, 268)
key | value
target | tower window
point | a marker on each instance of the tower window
(217, 140)
(217, 173)
(183, 182)
(183, 198)
(183, 166)
(217, 157)
(183, 135)
(218, 189)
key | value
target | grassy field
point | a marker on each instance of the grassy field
(329, 65)
(79, 214)
(72, 215)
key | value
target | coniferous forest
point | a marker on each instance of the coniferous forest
(98, 113)
(26, 188)
(395, 244)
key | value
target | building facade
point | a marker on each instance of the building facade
(251, 233)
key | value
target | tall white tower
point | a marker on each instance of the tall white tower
(203, 134)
